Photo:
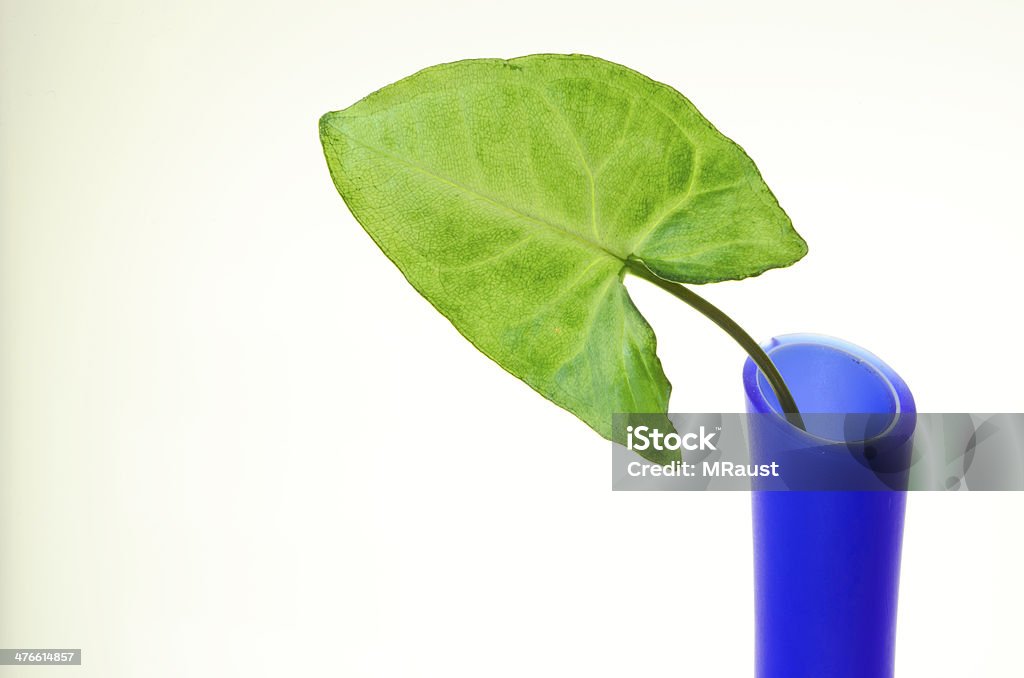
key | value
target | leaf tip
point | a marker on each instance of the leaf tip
(798, 246)
(324, 124)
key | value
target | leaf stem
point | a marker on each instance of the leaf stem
(712, 313)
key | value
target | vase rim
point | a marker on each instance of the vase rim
(903, 410)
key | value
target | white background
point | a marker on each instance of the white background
(236, 443)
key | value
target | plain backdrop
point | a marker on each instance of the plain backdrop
(236, 443)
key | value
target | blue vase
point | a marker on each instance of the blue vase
(827, 536)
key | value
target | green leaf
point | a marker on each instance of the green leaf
(512, 194)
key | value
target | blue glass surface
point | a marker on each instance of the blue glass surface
(827, 563)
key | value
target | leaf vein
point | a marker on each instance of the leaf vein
(481, 195)
(560, 114)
